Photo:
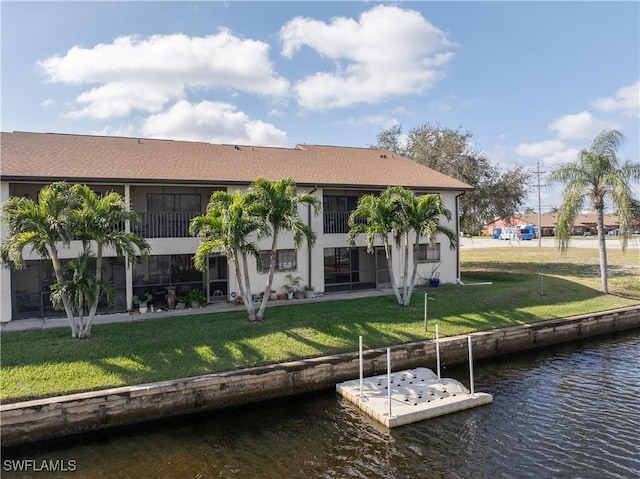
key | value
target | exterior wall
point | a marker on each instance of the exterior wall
(310, 263)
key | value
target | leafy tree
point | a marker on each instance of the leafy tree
(496, 194)
(394, 215)
(276, 204)
(597, 176)
(100, 219)
(529, 210)
(44, 226)
(227, 227)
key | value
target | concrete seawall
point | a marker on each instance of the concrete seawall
(36, 420)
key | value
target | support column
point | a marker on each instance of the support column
(6, 300)
(129, 270)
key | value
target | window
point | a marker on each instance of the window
(286, 260)
(428, 253)
(173, 203)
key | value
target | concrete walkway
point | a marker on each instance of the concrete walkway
(221, 307)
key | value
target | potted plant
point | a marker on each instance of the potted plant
(142, 301)
(292, 285)
(434, 279)
(196, 298)
(308, 291)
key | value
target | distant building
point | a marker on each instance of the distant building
(583, 223)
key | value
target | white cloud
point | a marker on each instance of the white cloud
(390, 51)
(541, 149)
(560, 157)
(626, 100)
(382, 121)
(550, 153)
(147, 73)
(212, 122)
(579, 126)
(48, 102)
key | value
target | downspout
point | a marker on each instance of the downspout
(458, 278)
(315, 188)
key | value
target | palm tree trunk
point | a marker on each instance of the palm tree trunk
(405, 272)
(65, 299)
(248, 300)
(414, 274)
(602, 247)
(272, 268)
(387, 251)
(94, 306)
(80, 317)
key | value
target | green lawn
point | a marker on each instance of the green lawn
(47, 363)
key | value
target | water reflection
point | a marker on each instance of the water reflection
(569, 411)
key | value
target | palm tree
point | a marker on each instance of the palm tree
(226, 227)
(276, 203)
(101, 219)
(423, 218)
(597, 176)
(377, 217)
(42, 225)
(82, 289)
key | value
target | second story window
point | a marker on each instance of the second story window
(286, 260)
(173, 203)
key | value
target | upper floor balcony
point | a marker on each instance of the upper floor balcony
(165, 225)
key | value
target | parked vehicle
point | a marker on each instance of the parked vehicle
(508, 234)
(526, 232)
(615, 232)
(497, 231)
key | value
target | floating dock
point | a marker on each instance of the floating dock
(414, 395)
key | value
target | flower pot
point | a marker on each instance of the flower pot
(143, 308)
(308, 294)
(434, 282)
(300, 295)
(290, 295)
(195, 304)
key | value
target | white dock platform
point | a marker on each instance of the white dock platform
(416, 395)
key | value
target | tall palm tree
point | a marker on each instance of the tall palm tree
(227, 227)
(377, 216)
(597, 176)
(42, 225)
(276, 203)
(423, 216)
(101, 219)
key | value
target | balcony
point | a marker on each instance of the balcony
(165, 225)
(338, 222)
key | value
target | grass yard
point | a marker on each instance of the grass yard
(39, 364)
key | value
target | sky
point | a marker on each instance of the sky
(534, 82)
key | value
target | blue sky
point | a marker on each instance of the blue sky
(533, 81)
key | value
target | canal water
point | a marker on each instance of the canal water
(571, 411)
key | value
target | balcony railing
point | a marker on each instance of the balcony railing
(164, 225)
(338, 222)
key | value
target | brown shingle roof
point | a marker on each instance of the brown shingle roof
(51, 156)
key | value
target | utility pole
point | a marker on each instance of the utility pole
(539, 185)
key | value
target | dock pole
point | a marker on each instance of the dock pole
(361, 367)
(425, 311)
(389, 379)
(470, 365)
(438, 351)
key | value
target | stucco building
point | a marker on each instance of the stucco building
(169, 182)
